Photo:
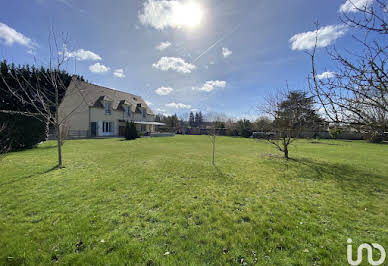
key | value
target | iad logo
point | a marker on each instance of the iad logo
(370, 252)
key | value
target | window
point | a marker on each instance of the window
(107, 108)
(107, 127)
(144, 112)
(128, 110)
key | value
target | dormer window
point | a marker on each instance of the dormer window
(108, 107)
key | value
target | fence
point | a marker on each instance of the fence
(72, 134)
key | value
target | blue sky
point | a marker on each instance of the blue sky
(210, 55)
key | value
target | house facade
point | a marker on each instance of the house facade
(90, 110)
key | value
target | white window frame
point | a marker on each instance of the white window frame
(108, 108)
(107, 126)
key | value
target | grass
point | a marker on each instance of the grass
(160, 201)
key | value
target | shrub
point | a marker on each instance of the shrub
(23, 132)
(375, 137)
(335, 132)
(127, 131)
(244, 128)
(134, 133)
(130, 132)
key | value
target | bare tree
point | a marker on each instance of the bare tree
(357, 93)
(43, 97)
(65, 129)
(213, 135)
(372, 18)
(282, 135)
(215, 119)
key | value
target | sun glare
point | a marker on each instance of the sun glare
(188, 15)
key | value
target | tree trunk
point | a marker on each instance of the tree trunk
(286, 153)
(59, 144)
(214, 147)
(58, 127)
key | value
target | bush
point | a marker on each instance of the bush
(335, 132)
(127, 131)
(23, 132)
(375, 137)
(134, 132)
(244, 128)
(130, 131)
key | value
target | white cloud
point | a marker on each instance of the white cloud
(163, 91)
(326, 36)
(159, 110)
(148, 103)
(98, 68)
(163, 45)
(162, 14)
(159, 14)
(119, 73)
(354, 5)
(211, 85)
(82, 55)
(326, 75)
(178, 105)
(10, 36)
(226, 52)
(175, 63)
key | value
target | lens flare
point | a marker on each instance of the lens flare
(188, 14)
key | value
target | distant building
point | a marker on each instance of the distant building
(94, 111)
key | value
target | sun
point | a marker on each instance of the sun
(188, 14)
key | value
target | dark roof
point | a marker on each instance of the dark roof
(94, 95)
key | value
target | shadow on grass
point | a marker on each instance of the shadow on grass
(324, 143)
(30, 176)
(46, 147)
(348, 177)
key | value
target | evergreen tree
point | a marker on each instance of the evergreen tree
(192, 120)
(133, 131)
(32, 78)
(197, 122)
(127, 132)
(200, 119)
(292, 112)
(174, 122)
(297, 113)
(27, 82)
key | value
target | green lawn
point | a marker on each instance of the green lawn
(160, 201)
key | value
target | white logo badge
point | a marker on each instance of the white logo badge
(370, 252)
